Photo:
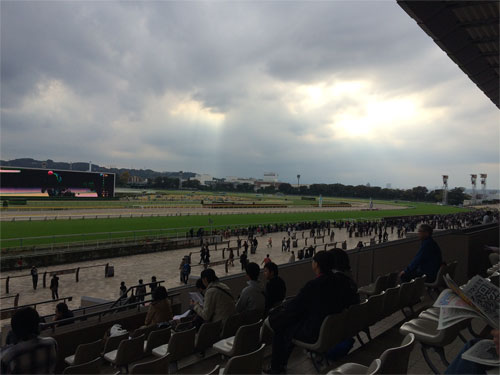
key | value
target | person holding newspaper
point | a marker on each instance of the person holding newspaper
(428, 259)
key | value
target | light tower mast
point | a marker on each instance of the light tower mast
(473, 181)
(483, 185)
(445, 189)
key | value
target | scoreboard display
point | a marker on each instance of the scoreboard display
(53, 183)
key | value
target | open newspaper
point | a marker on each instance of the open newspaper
(483, 352)
(478, 299)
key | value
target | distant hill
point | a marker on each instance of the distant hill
(83, 166)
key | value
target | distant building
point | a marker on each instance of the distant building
(270, 177)
(205, 179)
(388, 185)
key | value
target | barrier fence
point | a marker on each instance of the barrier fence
(67, 271)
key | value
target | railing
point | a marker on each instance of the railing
(7, 313)
(76, 271)
(131, 289)
(99, 314)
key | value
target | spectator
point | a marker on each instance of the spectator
(219, 303)
(275, 287)
(31, 354)
(301, 318)
(140, 291)
(292, 258)
(231, 257)
(123, 290)
(63, 312)
(186, 270)
(243, 260)
(54, 287)
(251, 297)
(487, 218)
(266, 260)
(153, 284)
(428, 259)
(201, 287)
(160, 309)
(34, 277)
(494, 256)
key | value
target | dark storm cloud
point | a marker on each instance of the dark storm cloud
(221, 87)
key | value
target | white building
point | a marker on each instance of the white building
(203, 178)
(270, 177)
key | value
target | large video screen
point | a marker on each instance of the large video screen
(30, 182)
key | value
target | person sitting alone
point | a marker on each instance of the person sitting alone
(275, 287)
(30, 354)
(160, 309)
(252, 298)
(218, 302)
(428, 259)
(302, 316)
(63, 312)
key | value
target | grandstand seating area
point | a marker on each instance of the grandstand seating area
(393, 318)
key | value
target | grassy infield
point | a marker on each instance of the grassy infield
(86, 229)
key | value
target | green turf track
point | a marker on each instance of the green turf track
(26, 229)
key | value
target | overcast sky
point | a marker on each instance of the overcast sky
(350, 92)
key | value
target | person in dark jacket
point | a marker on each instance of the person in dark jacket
(63, 312)
(275, 288)
(428, 259)
(328, 293)
(54, 287)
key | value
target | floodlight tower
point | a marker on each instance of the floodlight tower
(473, 181)
(445, 189)
(298, 181)
(483, 185)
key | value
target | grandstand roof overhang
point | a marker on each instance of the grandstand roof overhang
(468, 32)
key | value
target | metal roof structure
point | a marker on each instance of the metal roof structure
(468, 32)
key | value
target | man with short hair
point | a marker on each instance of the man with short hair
(54, 286)
(251, 297)
(428, 259)
(275, 288)
(31, 354)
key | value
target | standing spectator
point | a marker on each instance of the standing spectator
(428, 259)
(63, 312)
(181, 270)
(140, 291)
(34, 276)
(245, 246)
(292, 258)
(54, 286)
(275, 288)
(153, 284)
(186, 270)
(218, 303)
(160, 309)
(231, 257)
(283, 244)
(288, 244)
(123, 290)
(31, 354)
(252, 298)
(270, 242)
(487, 218)
(266, 260)
(243, 260)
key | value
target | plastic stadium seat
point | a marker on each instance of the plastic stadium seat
(246, 340)
(208, 335)
(85, 353)
(91, 367)
(155, 339)
(181, 345)
(156, 366)
(375, 288)
(128, 351)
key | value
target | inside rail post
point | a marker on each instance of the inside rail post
(77, 273)
(16, 300)
(7, 285)
(226, 266)
(45, 279)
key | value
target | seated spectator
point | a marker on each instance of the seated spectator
(219, 302)
(302, 316)
(63, 312)
(494, 256)
(251, 297)
(463, 366)
(275, 288)
(160, 309)
(428, 259)
(31, 354)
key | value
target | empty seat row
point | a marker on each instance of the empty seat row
(382, 283)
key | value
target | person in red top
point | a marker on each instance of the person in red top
(266, 260)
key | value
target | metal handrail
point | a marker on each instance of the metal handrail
(130, 289)
(35, 304)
